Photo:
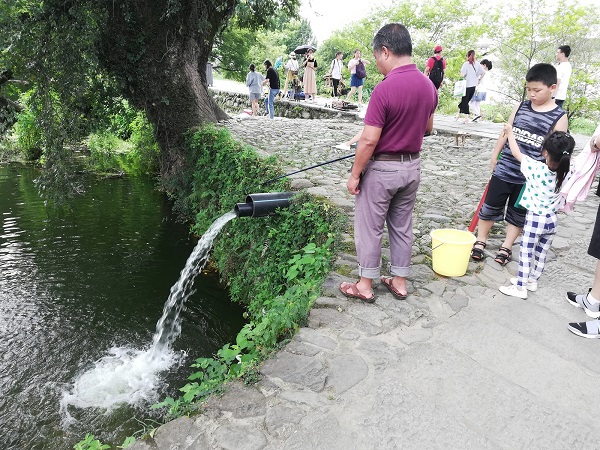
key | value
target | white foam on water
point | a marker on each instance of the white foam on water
(133, 376)
(125, 375)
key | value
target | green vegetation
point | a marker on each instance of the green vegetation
(91, 443)
(239, 46)
(534, 33)
(249, 256)
(139, 154)
(79, 61)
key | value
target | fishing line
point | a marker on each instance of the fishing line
(272, 180)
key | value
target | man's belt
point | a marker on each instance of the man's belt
(402, 157)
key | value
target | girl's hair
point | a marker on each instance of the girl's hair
(267, 63)
(471, 56)
(559, 146)
(252, 67)
(487, 63)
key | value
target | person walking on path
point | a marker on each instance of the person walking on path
(531, 121)
(386, 171)
(356, 66)
(480, 91)
(542, 199)
(472, 72)
(564, 71)
(291, 73)
(435, 67)
(273, 80)
(335, 70)
(254, 81)
(310, 76)
(590, 302)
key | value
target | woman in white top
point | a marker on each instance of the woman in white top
(480, 91)
(471, 70)
(355, 81)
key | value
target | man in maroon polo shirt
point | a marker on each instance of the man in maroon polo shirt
(386, 171)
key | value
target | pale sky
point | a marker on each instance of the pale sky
(327, 16)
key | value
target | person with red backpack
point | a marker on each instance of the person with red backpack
(436, 65)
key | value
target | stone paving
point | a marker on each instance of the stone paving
(457, 365)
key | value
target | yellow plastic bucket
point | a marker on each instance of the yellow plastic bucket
(450, 251)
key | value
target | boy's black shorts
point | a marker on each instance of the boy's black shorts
(502, 196)
(594, 248)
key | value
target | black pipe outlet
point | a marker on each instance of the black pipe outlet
(264, 204)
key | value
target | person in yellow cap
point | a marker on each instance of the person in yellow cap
(436, 66)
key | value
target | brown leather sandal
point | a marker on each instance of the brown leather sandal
(504, 256)
(477, 253)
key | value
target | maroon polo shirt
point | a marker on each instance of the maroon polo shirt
(401, 105)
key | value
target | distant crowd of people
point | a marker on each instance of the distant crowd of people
(301, 80)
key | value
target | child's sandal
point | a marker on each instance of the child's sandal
(477, 253)
(503, 256)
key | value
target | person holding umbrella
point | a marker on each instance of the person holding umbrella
(310, 78)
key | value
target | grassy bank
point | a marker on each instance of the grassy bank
(273, 265)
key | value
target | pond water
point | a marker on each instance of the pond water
(73, 286)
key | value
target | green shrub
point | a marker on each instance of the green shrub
(29, 136)
(582, 125)
(104, 148)
(144, 152)
(90, 443)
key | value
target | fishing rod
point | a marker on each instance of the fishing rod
(305, 169)
(272, 180)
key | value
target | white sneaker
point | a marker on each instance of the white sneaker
(514, 291)
(531, 285)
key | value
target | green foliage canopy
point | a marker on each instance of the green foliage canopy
(534, 33)
(151, 53)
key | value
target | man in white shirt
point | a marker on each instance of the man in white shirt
(335, 70)
(564, 74)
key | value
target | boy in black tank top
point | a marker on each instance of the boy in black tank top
(531, 120)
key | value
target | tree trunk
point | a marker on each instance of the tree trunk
(157, 63)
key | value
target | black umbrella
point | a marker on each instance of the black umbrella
(302, 49)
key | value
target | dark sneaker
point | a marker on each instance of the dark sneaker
(590, 330)
(581, 301)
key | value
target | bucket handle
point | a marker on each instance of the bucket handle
(437, 246)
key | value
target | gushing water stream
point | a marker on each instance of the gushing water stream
(168, 327)
(128, 375)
